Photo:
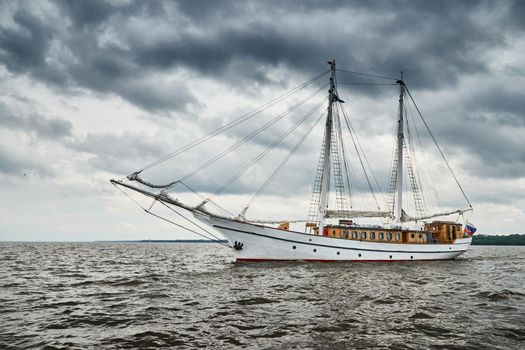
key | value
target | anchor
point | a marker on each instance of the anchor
(238, 245)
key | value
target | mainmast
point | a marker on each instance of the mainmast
(325, 182)
(400, 141)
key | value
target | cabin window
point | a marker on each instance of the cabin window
(346, 234)
(372, 235)
(354, 235)
(412, 236)
(380, 235)
(389, 236)
(333, 232)
(398, 236)
(363, 235)
(420, 236)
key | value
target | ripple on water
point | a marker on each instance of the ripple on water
(133, 296)
(499, 295)
(255, 301)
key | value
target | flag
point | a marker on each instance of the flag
(470, 229)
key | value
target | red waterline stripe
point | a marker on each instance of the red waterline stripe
(329, 261)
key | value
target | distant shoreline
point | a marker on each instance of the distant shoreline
(167, 241)
(514, 239)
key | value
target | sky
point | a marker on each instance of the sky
(94, 90)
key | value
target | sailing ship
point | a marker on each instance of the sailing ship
(332, 232)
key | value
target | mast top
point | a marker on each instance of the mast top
(400, 81)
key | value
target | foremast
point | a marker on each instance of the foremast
(400, 141)
(325, 181)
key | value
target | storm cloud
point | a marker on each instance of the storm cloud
(107, 46)
(100, 88)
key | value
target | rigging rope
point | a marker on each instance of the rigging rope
(218, 240)
(426, 174)
(343, 152)
(283, 163)
(354, 137)
(339, 106)
(190, 221)
(234, 122)
(439, 148)
(251, 135)
(266, 151)
(413, 171)
(352, 83)
(204, 200)
(365, 74)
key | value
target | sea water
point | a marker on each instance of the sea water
(147, 296)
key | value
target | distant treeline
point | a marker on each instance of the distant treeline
(514, 239)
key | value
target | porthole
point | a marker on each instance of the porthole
(412, 236)
(315, 250)
(389, 236)
(390, 256)
(354, 235)
(380, 235)
(363, 235)
(310, 239)
(294, 247)
(338, 253)
(359, 254)
(411, 257)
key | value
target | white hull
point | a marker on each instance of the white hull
(262, 243)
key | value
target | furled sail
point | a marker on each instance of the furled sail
(135, 177)
(405, 217)
(348, 214)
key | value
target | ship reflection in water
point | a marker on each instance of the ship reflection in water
(123, 295)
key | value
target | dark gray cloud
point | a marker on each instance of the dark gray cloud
(517, 11)
(433, 43)
(503, 105)
(51, 128)
(106, 46)
(25, 47)
(484, 130)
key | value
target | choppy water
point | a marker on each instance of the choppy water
(118, 296)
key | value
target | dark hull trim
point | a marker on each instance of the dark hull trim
(346, 248)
